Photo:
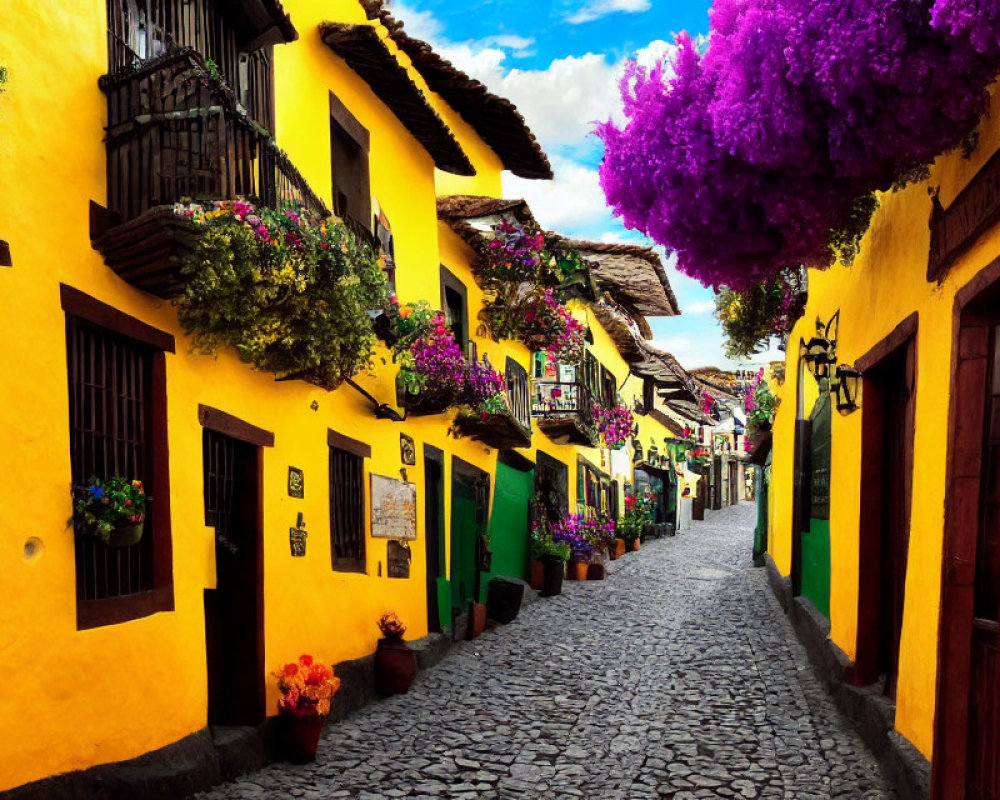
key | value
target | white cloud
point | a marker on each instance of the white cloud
(562, 102)
(700, 307)
(596, 9)
(572, 203)
(419, 24)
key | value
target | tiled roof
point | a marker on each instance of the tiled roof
(494, 118)
(365, 52)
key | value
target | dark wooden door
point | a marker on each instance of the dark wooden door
(233, 609)
(434, 528)
(896, 382)
(984, 685)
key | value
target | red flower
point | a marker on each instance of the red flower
(290, 670)
(306, 660)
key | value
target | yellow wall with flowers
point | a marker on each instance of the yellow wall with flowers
(889, 275)
(118, 691)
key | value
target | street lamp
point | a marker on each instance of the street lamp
(846, 384)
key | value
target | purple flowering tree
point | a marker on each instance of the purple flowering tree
(759, 153)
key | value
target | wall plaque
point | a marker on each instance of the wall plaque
(399, 559)
(296, 483)
(407, 450)
(394, 508)
(956, 228)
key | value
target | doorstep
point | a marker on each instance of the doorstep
(872, 713)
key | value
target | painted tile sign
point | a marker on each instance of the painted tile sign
(394, 508)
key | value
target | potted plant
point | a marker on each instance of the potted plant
(600, 534)
(638, 516)
(550, 556)
(576, 532)
(395, 662)
(307, 687)
(113, 510)
(614, 425)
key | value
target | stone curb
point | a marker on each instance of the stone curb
(871, 713)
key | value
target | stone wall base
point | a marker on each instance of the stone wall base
(209, 757)
(869, 710)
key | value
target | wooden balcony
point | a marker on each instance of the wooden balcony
(564, 412)
(510, 429)
(176, 132)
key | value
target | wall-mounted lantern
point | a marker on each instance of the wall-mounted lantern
(846, 384)
(820, 352)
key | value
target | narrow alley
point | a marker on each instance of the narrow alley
(676, 677)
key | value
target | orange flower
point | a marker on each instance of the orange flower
(405, 311)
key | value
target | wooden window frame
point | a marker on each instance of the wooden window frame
(450, 281)
(344, 122)
(648, 395)
(116, 610)
(362, 452)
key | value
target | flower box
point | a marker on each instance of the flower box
(494, 430)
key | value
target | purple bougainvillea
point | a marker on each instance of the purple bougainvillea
(747, 158)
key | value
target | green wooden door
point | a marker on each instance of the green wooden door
(509, 522)
(816, 540)
(464, 532)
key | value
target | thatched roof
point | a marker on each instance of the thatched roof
(365, 52)
(634, 275)
(494, 118)
(472, 216)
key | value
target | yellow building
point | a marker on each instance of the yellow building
(284, 518)
(882, 517)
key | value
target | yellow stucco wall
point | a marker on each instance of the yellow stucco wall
(884, 286)
(116, 692)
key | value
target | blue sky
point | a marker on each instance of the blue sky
(559, 61)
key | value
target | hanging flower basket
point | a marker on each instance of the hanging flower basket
(112, 511)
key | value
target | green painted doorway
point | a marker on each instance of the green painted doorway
(470, 491)
(509, 522)
(816, 538)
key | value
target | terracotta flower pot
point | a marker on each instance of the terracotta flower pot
(537, 575)
(395, 667)
(301, 737)
(635, 544)
(477, 620)
(619, 550)
(579, 570)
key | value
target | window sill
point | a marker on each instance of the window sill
(116, 610)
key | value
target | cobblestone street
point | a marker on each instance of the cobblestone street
(677, 677)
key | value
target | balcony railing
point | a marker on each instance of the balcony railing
(508, 429)
(564, 411)
(175, 132)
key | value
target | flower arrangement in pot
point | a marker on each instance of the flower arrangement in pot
(551, 555)
(287, 291)
(614, 425)
(395, 662)
(571, 530)
(638, 516)
(519, 272)
(112, 511)
(432, 369)
(307, 687)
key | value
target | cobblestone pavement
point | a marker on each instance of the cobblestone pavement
(677, 677)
